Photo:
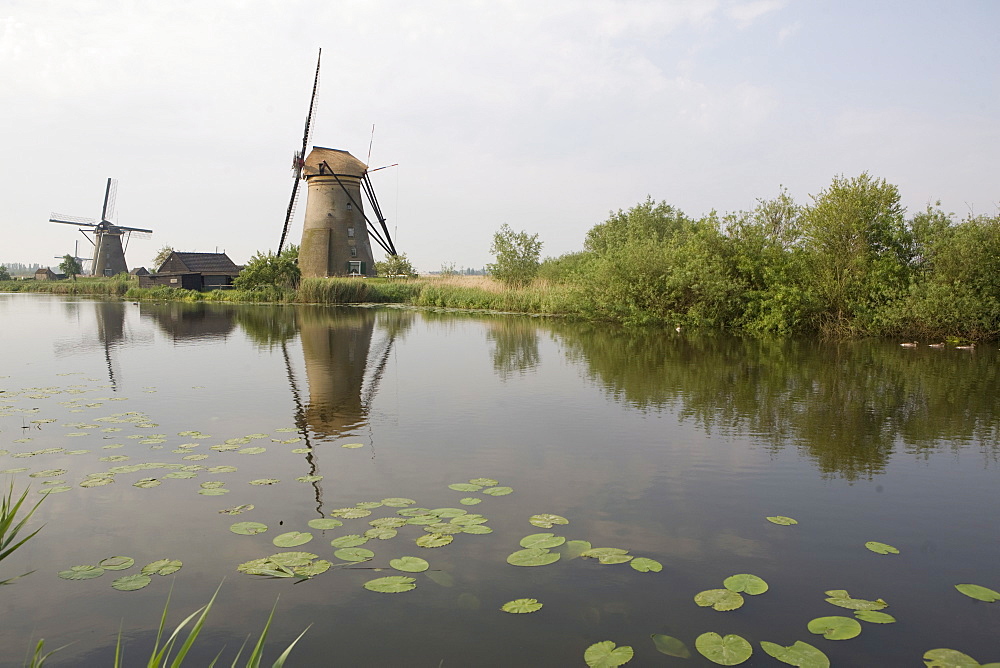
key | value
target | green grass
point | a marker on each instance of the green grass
(11, 527)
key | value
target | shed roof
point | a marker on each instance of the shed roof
(341, 162)
(206, 263)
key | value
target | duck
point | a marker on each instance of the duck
(936, 345)
(909, 344)
(971, 346)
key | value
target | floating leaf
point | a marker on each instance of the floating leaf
(498, 491)
(949, 658)
(388, 522)
(465, 487)
(392, 584)
(485, 482)
(449, 512)
(670, 646)
(47, 473)
(572, 549)
(547, 520)
(212, 484)
(409, 512)
(719, 599)
(236, 510)
(782, 520)
(85, 572)
(181, 475)
(842, 599)
(222, 469)
(409, 564)
(213, 492)
(800, 654)
(292, 539)
(131, 582)
(470, 501)
(55, 490)
(256, 450)
(264, 481)
(350, 513)
(542, 540)
(248, 528)
(881, 548)
(397, 502)
(96, 481)
(367, 505)
(443, 527)
(746, 583)
(423, 519)
(466, 520)
(645, 565)
(315, 568)
(476, 529)
(598, 552)
(730, 650)
(533, 557)
(162, 567)
(353, 554)
(353, 446)
(874, 616)
(146, 483)
(309, 478)
(835, 628)
(435, 540)
(292, 559)
(302, 451)
(605, 655)
(978, 592)
(351, 540)
(381, 533)
(117, 563)
(521, 605)
(324, 523)
(615, 558)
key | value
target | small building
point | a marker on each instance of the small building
(193, 271)
(46, 274)
(139, 271)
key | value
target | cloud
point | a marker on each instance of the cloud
(745, 13)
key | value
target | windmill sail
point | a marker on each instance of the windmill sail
(299, 158)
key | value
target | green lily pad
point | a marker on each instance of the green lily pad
(397, 502)
(949, 658)
(610, 559)
(292, 539)
(485, 482)
(293, 559)
(719, 599)
(874, 616)
(388, 522)
(978, 592)
(350, 540)
(368, 505)
(131, 582)
(162, 567)
(782, 520)
(48, 473)
(413, 512)
(309, 478)
(147, 483)
(409, 564)
(533, 556)
(55, 490)
(881, 548)
(605, 655)
(215, 491)
(572, 549)
(542, 540)
(471, 518)
(236, 510)
(465, 487)
(448, 512)
(842, 599)
(645, 565)
(222, 469)
(598, 552)
(255, 450)
(670, 646)
(800, 654)
(324, 523)
(117, 563)
(353, 446)
(746, 583)
(521, 606)
(835, 628)
(97, 481)
(265, 481)
(248, 528)
(470, 501)
(476, 529)
(392, 584)
(434, 540)
(498, 491)
(353, 554)
(212, 484)
(314, 568)
(85, 572)
(547, 520)
(181, 475)
(381, 533)
(350, 513)
(730, 650)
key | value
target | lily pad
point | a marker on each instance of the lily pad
(314, 568)
(746, 583)
(49, 473)
(434, 540)
(719, 599)
(350, 540)
(368, 505)
(117, 563)
(476, 529)
(782, 520)
(255, 450)
(388, 522)
(547, 520)
(84, 572)
(646, 565)
(324, 523)
(979, 593)
(397, 502)
(542, 540)
(181, 475)
(874, 616)
(309, 478)
(55, 490)
(292, 539)
(670, 646)
(292, 559)
(212, 484)
(353, 554)
(835, 628)
(470, 501)
(521, 606)
(131, 582)
(381, 533)
(248, 528)
(533, 557)
(236, 510)
(215, 491)
(730, 650)
(498, 491)
(265, 481)
(465, 487)
(842, 599)
(949, 658)
(162, 567)
(392, 584)
(350, 513)
(800, 654)
(485, 482)
(409, 564)
(147, 483)
(222, 469)
(572, 549)
(605, 655)
(353, 446)
(881, 548)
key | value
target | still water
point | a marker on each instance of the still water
(673, 446)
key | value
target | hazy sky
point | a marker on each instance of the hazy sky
(543, 115)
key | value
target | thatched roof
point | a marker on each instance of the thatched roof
(341, 162)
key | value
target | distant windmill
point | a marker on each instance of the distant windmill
(109, 254)
(336, 233)
(76, 256)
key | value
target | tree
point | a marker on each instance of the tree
(70, 266)
(4, 274)
(266, 270)
(517, 256)
(395, 265)
(161, 257)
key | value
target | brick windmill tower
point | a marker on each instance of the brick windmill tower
(337, 233)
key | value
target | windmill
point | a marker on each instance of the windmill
(109, 254)
(336, 234)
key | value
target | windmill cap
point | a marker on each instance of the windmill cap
(341, 162)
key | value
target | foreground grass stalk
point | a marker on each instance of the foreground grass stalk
(10, 531)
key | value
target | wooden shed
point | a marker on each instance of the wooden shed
(193, 271)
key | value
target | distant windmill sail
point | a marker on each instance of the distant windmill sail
(299, 159)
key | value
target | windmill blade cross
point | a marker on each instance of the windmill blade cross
(110, 195)
(72, 220)
(301, 156)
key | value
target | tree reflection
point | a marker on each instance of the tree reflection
(515, 345)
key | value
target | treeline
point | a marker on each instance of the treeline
(849, 263)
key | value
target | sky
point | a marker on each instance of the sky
(546, 116)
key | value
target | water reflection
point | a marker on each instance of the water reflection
(515, 345)
(191, 323)
(847, 406)
(111, 335)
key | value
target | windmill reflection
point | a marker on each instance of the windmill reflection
(112, 333)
